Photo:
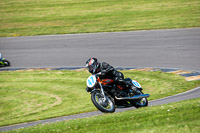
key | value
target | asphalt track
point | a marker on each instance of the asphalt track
(176, 48)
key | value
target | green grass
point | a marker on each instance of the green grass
(39, 17)
(180, 117)
(35, 95)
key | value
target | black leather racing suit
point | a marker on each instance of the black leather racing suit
(107, 71)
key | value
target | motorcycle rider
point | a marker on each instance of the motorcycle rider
(107, 71)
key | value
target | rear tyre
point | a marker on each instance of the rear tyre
(6, 62)
(106, 106)
(143, 102)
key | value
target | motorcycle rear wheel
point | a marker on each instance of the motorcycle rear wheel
(6, 63)
(143, 102)
(106, 107)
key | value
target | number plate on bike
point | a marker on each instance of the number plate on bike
(136, 84)
(91, 81)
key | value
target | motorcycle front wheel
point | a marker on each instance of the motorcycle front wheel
(105, 106)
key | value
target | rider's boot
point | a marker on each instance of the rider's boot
(135, 90)
(130, 85)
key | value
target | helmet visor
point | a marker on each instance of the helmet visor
(91, 68)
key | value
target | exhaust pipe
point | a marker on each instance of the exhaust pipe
(134, 97)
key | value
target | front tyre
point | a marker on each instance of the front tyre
(105, 106)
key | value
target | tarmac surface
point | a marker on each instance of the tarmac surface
(173, 48)
(147, 50)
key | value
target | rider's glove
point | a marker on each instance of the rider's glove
(100, 74)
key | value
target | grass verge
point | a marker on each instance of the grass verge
(177, 117)
(35, 95)
(39, 17)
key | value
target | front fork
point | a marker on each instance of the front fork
(102, 92)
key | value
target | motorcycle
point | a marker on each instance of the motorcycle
(105, 94)
(3, 61)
